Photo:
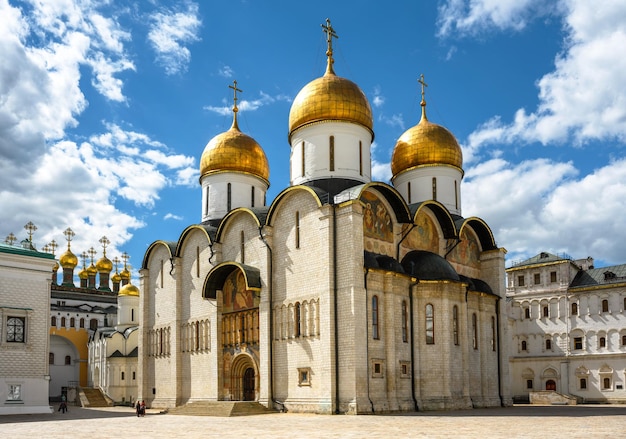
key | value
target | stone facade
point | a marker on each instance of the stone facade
(567, 328)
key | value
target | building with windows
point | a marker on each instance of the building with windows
(344, 295)
(568, 328)
(24, 317)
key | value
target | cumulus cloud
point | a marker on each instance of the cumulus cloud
(170, 31)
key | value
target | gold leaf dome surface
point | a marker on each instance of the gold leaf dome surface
(116, 278)
(68, 260)
(92, 270)
(234, 151)
(426, 144)
(129, 290)
(83, 274)
(125, 274)
(104, 265)
(330, 97)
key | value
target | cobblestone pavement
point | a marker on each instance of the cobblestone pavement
(512, 422)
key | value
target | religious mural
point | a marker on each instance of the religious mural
(236, 296)
(377, 225)
(467, 252)
(424, 236)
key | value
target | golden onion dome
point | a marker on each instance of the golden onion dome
(125, 274)
(116, 278)
(68, 259)
(104, 265)
(83, 274)
(92, 270)
(129, 290)
(234, 151)
(55, 267)
(425, 144)
(330, 98)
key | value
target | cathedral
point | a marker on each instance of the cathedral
(342, 295)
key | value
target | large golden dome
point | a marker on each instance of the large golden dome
(129, 290)
(68, 260)
(234, 151)
(104, 265)
(330, 98)
(425, 144)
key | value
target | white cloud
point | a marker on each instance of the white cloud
(245, 105)
(226, 72)
(172, 216)
(170, 31)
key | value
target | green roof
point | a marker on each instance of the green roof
(19, 250)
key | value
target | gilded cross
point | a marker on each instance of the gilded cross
(91, 253)
(69, 234)
(104, 241)
(10, 239)
(125, 258)
(235, 90)
(84, 257)
(421, 81)
(30, 227)
(330, 34)
(52, 245)
(116, 261)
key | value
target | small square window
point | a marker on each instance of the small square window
(405, 369)
(520, 281)
(15, 392)
(553, 276)
(578, 343)
(304, 376)
(537, 278)
(377, 369)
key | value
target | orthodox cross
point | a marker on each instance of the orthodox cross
(125, 258)
(104, 241)
(235, 90)
(421, 81)
(330, 34)
(30, 227)
(116, 261)
(10, 239)
(52, 245)
(84, 257)
(69, 234)
(91, 253)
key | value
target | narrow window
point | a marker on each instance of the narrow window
(206, 201)
(132, 315)
(583, 383)
(623, 340)
(408, 189)
(82, 323)
(53, 321)
(360, 158)
(527, 313)
(229, 197)
(520, 281)
(606, 383)
(430, 324)
(72, 322)
(493, 333)
(574, 309)
(63, 322)
(134, 376)
(242, 248)
(198, 261)
(122, 377)
(405, 320)
(51, 358)
(553, 276)
(302, 148)
(605, 305)
(537, 278)
(242, 327)
(197, 327)
(474, 332)
(435, 188)
(93, 324)
(297, 229)
(524, 345)
(161, 273)
(252, 196)
(297, 321)
(455, 324)
(375, 333)
(545, 311)
(456, 195)
(602, 342)
(68, 360)
(332, 153)
(578, 343)
(548, 345)
(529, 384)
(625, 303)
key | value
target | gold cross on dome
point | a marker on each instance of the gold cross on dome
(421, 81)
(235, 90)
(91, 252)
(10, 239)
(69, 234)
(104, 241)
(330, 34)
(30, 227)
(125, 258)
(116, 261)
(52, 245)
(84, 257)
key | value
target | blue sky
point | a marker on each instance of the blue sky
(106, 107)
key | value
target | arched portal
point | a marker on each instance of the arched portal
(244, 379)
(551, 385)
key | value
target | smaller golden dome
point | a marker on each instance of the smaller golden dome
(236, 152)
(92, 270)
(129, 290)
(55, 267)
(116, 278)
(425, 144)
(83, 274)
(104, 265)
(125, 274)
(68, 260)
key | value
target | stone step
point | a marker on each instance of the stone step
(220, 408)
(94, 397)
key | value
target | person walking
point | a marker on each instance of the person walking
(138, 408)
(143, 408)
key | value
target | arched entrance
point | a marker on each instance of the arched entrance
(551, 385)
(243, 379)
(248, 385)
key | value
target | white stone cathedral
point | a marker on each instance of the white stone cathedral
(344, 295)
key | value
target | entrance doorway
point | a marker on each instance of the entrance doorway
(248, 385)
(551, 385)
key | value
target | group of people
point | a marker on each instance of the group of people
(140, 407)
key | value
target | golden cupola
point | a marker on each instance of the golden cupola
(425, 144)
(68, 259)
(129, 290)
(234, 151)
(330, 98)
(104, 265)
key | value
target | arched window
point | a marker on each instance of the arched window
(82, 323)
(474, 331)
(297, 320)
(229, 196)
(302, 149)
(605, 305)
(93, 324)
(53, 321)
(606, 383)
(68, 360)
(583, 383)
(375, 332)
(524, 345)
(15, 329)
(331, 153)
(197, 327)
(455, 324)
(623, 340)
(602, 342)
(405, 321)
(63, 322)
(132, 314)
(297, 229)
(456, 195)
(243, 247)
(546, 311)
(408, 190)
(526, 313)
(206, 201)
(493, 333)
(198, 261)
(435, 188)
(360, 157)
(574, 309)
(51, 358)
(430, 324)
(548, 345)
(252, 196)
(72, 322)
